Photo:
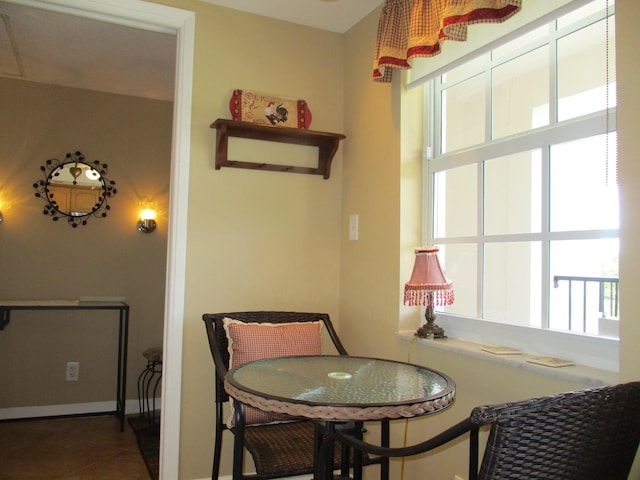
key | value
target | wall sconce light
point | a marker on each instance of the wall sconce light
(4, 206)
(147, 222)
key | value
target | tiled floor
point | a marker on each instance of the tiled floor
(70, 449)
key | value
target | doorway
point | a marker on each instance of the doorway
(144, 15)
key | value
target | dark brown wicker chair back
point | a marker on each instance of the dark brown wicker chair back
(588, 434)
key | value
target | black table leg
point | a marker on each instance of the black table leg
(123, 340)
(323, 455)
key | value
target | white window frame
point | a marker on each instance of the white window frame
(585, 349)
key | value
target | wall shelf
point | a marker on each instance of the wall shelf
(327, 144)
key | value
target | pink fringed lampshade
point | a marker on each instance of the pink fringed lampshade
(428, 287)
(428, 284)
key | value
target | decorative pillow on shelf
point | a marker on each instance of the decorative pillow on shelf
(256, 341)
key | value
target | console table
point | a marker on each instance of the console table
(7, 306)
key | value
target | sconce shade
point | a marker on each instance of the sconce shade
(147, 214)
(428, 285)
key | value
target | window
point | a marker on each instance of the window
(521, 189)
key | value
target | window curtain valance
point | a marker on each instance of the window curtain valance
(415, 28)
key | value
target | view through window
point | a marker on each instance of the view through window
(521, 192)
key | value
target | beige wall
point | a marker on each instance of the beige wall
(628, 73)
(42, 259)
(256, 240)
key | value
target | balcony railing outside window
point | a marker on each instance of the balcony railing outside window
(580, 299)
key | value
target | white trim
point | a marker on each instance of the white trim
(177, 253)
(134, 13)
(589, 350)
(152, 16)
(585, 375)
(561, 132)
(14, 413)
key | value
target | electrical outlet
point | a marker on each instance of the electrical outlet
(73, 371)
(457, 477)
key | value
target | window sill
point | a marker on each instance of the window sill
(589, 376)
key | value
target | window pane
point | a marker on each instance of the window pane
(520, 93)
(460, 262)
(582, 71)
(455, 202)
(520, 42)
(583, 189)
(512, 273)
(575, 303)
(466, 70)
(582, 13)
(512, 193)
(463, 114)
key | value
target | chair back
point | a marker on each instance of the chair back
(590, 434)
(219, 344)
(580, 435)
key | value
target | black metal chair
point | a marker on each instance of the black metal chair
(280, 449)
(588, 434)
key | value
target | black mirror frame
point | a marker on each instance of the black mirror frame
(101, 208)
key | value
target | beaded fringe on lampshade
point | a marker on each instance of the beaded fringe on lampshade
(428, 284)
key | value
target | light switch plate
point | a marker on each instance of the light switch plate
(353, 227)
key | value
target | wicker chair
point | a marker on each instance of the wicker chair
(582, 435)
(282, 449)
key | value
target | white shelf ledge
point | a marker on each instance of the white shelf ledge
(589, 376)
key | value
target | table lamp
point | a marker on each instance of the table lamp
(428, 287)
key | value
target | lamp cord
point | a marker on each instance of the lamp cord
(406, 420)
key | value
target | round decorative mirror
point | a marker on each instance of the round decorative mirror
(75, 189)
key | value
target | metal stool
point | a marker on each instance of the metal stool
(152, 371)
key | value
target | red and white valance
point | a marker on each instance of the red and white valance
(415, 28)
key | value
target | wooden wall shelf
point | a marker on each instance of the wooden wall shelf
(327, 144)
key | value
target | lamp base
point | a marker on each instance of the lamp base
(430, 330)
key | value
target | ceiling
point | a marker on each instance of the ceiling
(333, 15)
(55, 48)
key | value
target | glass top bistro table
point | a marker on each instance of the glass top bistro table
(328, 388)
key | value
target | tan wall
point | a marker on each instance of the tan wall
(42, 259)
(628, 73)
(256, 240)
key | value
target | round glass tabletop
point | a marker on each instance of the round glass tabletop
(340, 381)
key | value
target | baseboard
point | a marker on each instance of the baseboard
(229, 477)
(14, 413)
